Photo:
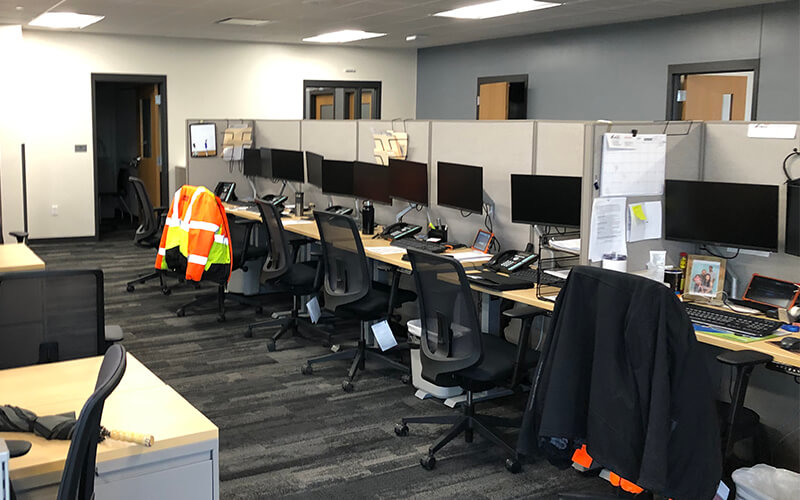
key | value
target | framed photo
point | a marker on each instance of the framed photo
(705, 278)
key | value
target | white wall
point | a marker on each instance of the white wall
(204, 78)
(10, 178)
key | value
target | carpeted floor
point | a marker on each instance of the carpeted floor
(283, 434)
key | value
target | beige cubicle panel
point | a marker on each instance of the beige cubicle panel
(208, 171)
(333, 139)
(279, 134)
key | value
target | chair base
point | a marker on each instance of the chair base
(147, 277)
(288, 325)
(221, 296)
(466, 424)
(360, 354)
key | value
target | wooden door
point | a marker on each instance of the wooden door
(150, 141)
(493, 101)
(706, 97)
(323, 104)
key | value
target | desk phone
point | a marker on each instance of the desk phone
(274, 199)
(226, 191)
(511, 260)
(400, 230)
(339, 210)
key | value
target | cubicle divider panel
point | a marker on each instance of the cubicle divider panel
(418, 150)
(333, 139)
(280, 134)
(684, 155)
(208, 171)
(731, 156)
(501, 148)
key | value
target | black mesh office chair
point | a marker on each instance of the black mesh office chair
(241, 231)
(48, 316)
(148, 234)
(77, 480)
(283, 272)
(350, 292)
(21, 236)
(454, 352)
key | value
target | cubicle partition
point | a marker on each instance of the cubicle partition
(208, 171)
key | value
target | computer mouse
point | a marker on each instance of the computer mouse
(790, 344)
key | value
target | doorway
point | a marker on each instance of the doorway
(341, 100)
(723, 90)
(129, 128)
(502, 98)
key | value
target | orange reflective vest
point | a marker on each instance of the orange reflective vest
(196, 237)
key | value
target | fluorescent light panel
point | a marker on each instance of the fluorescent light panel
(343, 36)
(65, 20)
(496, 8)
(241, 21)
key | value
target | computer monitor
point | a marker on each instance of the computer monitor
(371, 182)
(314, 168)
(546, 200)
(337, 177)
(722, 214)
(288, 165)
(459, 186)
(266, 163)
(408, 181)
(252, 162)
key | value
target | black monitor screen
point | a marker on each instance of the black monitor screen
(266, 163)
(314, 168)
(337, 177)
(252, 162)
(371, 182)
(460, 186)
(408, 181)
(722, 213)
(546, 200)
(288, 165)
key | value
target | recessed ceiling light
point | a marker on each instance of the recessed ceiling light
(241, 21)
(343, 36)
(415, 37)
(65, 20)
(496, 8)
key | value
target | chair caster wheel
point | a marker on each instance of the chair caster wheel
(347, 386)
(401, 430)
(428, 462)
(513, 466)
(405, 379)
(220, 318)
(129, 288)
(165, 291)
(181, 312)
(270, 345)
(249, 333)
(306, 369)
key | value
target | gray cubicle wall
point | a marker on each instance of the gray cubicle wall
(279, 134)
(335, 140)
(209, 171)
(683, 161)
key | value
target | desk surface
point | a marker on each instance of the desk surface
(18, 257)
(141, 403)
(527, 296)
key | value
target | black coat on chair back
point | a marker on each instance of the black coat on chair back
(622, 372)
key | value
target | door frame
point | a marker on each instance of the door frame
(161, 81)
(497, 79)
(674, 72)
(310, 113)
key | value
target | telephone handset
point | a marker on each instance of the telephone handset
(399, 230)
(226, 191)
(339, 210)
(274, 199)
(511, 260)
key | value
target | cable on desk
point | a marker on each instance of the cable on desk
(795, 153)
(719, 256)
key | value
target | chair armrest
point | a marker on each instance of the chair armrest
(524, 310)
(17, 448)
(21, 236)
(743, 358)
(244, 222)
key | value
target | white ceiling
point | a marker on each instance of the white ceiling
(293, 20)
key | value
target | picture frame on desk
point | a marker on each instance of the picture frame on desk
(705, 278)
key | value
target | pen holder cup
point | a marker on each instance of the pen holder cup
(438, 232)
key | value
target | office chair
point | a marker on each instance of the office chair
(350, 292)
(148, 234)
(454, 352)
(622, 373)
(21, 236)
(77, 480)
(48, 316)
(281, 270)
(241, 231)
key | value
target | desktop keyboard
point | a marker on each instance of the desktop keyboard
(429, 246)
(739, 324)
(531, 276)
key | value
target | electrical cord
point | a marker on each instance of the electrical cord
(719, 256)
(794, 153)
(467, 214)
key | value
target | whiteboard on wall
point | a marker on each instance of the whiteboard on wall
(203, 139)
(633, 165)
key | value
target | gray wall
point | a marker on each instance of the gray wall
(618, 72)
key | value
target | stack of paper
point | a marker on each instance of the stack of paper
(470, 256)
(572, 246)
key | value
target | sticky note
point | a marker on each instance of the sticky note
(638, 211)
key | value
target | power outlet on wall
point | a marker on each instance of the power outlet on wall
(54, 210)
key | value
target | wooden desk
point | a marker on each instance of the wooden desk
(18, 257)
(183, 463)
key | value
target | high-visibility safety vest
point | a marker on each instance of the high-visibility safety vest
(196, 237)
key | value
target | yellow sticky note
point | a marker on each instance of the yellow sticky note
(638, 211)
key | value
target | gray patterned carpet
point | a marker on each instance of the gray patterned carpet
(283, 434)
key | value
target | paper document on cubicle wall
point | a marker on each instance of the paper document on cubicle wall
(644, 221)
(607, 229)
(633, 165)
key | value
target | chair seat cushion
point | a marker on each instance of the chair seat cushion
(299, 278)
(496, 365)
(375, 304)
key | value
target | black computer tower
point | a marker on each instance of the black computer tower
(793, 217)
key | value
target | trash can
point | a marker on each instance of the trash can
(764, 482)
(414, 336)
